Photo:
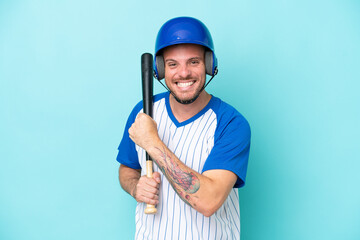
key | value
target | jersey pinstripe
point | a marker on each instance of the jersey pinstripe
(192, 142)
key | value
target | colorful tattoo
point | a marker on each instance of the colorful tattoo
(181, 193)
(183, 182)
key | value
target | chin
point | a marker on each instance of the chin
(186, 100)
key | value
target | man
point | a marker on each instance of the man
(199, 144)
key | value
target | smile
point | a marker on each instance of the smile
(185, 84)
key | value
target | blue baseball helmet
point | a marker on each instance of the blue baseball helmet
(184, 30)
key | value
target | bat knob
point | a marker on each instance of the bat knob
(150, 209)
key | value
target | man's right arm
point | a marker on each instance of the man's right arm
(142, 188)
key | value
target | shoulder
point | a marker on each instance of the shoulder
(228, 117)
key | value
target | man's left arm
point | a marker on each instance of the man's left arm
(204, 192)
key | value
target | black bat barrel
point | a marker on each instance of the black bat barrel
(147, 85)
(147, 82)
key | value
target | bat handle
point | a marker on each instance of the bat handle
(150, 209)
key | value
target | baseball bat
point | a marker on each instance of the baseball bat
(147, 93)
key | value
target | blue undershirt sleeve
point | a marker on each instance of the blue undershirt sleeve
(127, 154)
(231, 147)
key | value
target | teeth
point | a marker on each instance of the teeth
(184, 84)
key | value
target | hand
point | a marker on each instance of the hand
(143, 131)
(147, 189)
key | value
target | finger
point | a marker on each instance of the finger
(150, 182)
(151, 190)
(140, 115)
(147, 195)
(144, 196)
(130, 131)
(151, 201)
(154, 196)
(149, 185)
(157, 177)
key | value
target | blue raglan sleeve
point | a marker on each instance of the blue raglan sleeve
(231, 145)
(127, 154)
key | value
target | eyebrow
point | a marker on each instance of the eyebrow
(193, 58)
(170, 60)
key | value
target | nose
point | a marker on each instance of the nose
(184, 71)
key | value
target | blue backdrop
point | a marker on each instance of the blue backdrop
(70, 74)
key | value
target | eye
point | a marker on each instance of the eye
(194, 62)
(171, 64)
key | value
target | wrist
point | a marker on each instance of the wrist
(133, 190)
(152, 145)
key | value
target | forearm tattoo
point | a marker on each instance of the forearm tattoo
(183, 182)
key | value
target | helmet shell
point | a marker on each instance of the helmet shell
(183, 30)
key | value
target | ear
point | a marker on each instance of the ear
(159, 67)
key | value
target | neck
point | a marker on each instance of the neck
(183, 112)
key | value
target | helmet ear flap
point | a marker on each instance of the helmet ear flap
(210, 63)
(159, 67)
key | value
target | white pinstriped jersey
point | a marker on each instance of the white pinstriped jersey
(218, 137)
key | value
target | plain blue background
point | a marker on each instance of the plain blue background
(70, 74)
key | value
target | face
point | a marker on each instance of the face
(185, 71)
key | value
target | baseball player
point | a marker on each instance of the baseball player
(199, 144)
